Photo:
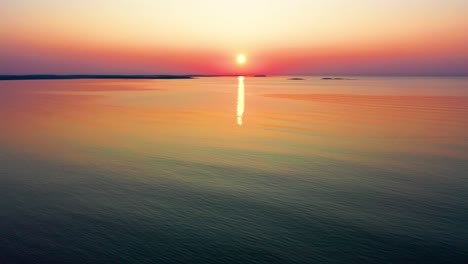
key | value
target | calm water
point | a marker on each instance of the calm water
(233, 170)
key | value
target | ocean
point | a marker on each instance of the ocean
(234, 170)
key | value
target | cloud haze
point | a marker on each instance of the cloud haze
(203, 37)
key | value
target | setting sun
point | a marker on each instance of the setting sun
(241, 59)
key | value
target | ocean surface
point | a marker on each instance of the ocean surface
(234, 170)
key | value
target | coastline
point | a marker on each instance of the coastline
(90, 76)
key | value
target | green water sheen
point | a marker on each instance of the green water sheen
(372, 170)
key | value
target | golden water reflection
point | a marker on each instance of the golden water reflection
(240, 100)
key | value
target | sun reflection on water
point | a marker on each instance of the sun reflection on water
(240, 100)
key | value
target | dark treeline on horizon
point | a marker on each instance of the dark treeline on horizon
(90, 76)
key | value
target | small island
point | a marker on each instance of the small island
(296, 79)
(336, 79)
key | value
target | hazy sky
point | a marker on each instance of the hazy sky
(203, 36)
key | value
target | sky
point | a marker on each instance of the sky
(286, 37)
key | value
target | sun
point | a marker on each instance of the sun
(241, 59)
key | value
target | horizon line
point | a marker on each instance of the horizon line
(7, 77)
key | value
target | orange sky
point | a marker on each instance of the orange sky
(203, 37)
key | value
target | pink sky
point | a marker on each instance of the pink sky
(203, 37)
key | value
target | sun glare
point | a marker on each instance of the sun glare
(241, 59)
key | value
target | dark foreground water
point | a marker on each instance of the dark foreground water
(233, 170)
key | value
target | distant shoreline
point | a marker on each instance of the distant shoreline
(105, 76)
(89, 76)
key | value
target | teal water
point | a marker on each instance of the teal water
(228, 170)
